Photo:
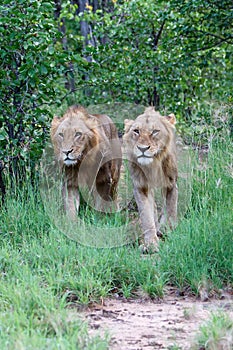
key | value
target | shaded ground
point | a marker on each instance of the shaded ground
(140, 324)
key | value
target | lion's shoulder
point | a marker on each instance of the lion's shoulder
(106, 126)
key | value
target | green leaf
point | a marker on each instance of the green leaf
(51, 50)
(3, 134)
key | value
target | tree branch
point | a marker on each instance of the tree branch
(158, 35)
(230, 37)
(211, 46)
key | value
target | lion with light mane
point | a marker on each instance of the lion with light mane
(149, 143)
(88, 150)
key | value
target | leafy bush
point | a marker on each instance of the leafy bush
(33, 65)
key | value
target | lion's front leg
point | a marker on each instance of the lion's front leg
(71, 200)
(145, 203)
(171, 205)
(105, 191)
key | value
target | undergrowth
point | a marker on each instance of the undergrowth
(43, 271)
(199, 252)
(216, 333)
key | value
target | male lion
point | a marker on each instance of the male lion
(149, 144)
(88, 150)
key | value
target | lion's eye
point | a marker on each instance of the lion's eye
(61, 134)
(155, 132)
(136, 131)
(78, 134)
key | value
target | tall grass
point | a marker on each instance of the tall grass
(216, 333)
(42, 271)
(199, 253)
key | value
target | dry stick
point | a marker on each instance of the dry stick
(2, 185)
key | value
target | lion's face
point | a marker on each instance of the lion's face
(72, 140)
(146, 137)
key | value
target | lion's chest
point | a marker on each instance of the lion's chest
(155, 176)
(85, 174)
(152, 176)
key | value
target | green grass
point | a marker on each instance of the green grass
(199, 252)
(43, 272)
(216, 333)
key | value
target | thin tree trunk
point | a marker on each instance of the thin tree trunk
(2, 184)
(153, 98)
(70, 81)
(95, 4)
(86, 33)
(85, 27)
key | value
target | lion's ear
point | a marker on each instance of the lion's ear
(171, 118)
(54, 125)
(128, 123)
(91, 120)
(92, 117)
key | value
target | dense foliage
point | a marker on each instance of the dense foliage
(29, 70)
(170, 54)
(175, 55)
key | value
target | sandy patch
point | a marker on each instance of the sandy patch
(150, 325)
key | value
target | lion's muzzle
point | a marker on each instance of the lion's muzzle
(144, 155)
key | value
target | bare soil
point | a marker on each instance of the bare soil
(171, 323)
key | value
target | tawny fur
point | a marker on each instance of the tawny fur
(149, 144)
(88, 150)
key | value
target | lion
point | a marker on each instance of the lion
(149, 144)
(88, 151)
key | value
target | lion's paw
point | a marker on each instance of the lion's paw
(149, 248)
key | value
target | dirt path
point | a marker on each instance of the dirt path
(139, 325)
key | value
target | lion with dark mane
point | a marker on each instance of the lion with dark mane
(149, 143)
(88, 150)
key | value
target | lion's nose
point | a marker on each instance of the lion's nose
(143, 148)
(67, 152)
